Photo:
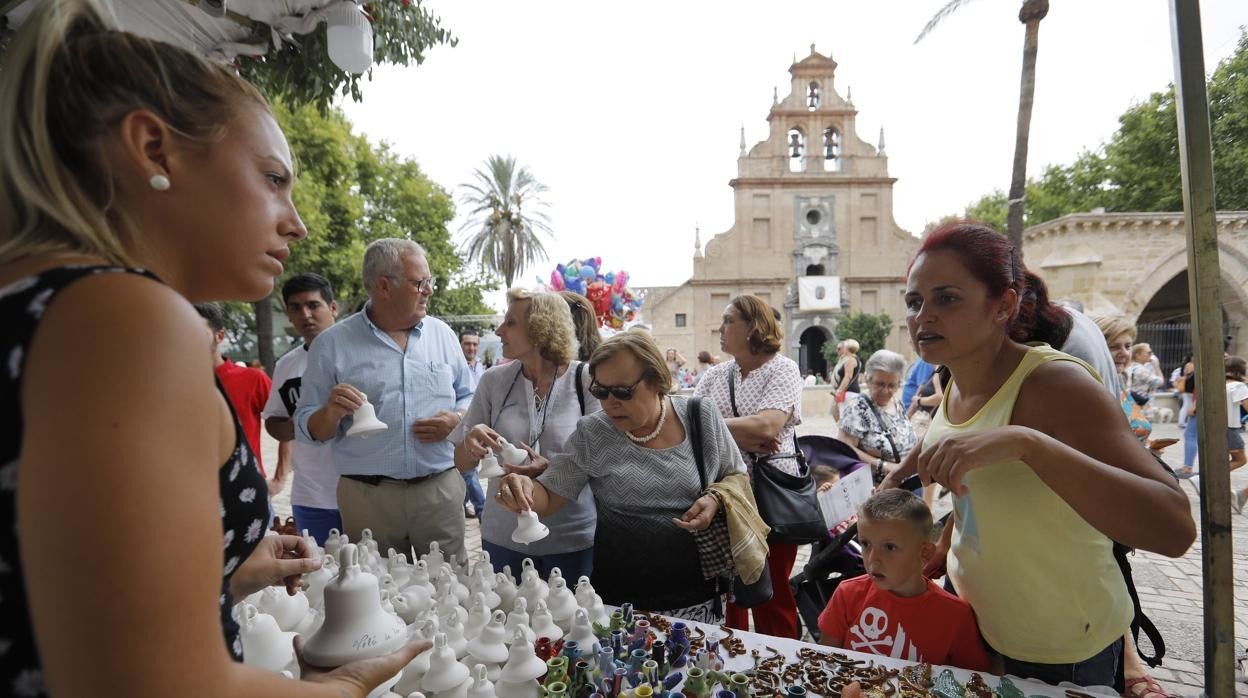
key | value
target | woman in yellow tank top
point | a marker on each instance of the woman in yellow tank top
(1044, 469)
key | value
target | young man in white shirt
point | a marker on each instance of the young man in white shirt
(310, 306)
(470, 342)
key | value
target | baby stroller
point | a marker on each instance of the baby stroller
(836, 559)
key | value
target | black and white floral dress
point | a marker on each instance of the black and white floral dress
(244, 494)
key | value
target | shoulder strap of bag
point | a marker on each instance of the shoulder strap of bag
(883, 428)
(580, 391)
(695, 436)
(732, 390)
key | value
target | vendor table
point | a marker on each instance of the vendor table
(764, 644)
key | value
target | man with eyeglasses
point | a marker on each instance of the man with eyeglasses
(402, 482)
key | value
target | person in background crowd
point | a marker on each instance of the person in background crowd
(1144, 373)
(402, 482)
(469, 342)
(248, 388)
(874, 423)
(474, 498)
(135, 178)
(1026, 470)
(676, 365)
(1185, 383)
(533, 403)
(919, 373)
(759, 395)
(648, 494)
(845, 375)
(311, 309)
(586, 323)
(1236, 397)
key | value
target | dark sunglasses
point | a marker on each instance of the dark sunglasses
(621, 392)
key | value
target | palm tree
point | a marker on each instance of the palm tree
(1030, 15)
(507, 212)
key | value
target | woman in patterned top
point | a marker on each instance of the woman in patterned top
(135, 178)
(759, 394)
(875, 423)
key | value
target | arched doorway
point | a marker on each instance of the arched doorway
(1165, 323)
(811, 354)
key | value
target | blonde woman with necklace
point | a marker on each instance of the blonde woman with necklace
(533, 403)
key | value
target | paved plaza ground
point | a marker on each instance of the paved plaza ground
(1170, 589)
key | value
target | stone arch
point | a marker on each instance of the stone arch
(1233, 263)
(810, 344)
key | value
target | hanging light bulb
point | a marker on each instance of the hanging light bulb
(350, 37)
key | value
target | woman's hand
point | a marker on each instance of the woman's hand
(359, 678)
(535, 466)
(276, 560)
(480, 438)
(700, 515)
(515, 493)
(948, 461)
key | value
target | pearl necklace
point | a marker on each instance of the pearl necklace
(654, 434)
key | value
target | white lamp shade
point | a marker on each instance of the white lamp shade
(350, 38)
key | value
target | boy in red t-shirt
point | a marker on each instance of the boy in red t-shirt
(893, 610)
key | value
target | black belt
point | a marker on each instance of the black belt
(376, 480)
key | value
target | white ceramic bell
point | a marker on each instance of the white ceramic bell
(265, 645)
(334, 541)
(518, 619)
(513, 455)
(317, 579)
(490, 646)
(506, 589)
(434, 558)
(411, 602)
(447, 576)
(542, 623)
(481, 686)
(478, 617)
(448, 604)
(365, 422)
(421, 577)
(311, 622)
(477, 584)
(287, 610)
(523, 689)
(444, 672)
(355, 626)
(317, 551)
(555, 573)
(582, 631)
(562, 603)
(489, 467)
(453, 628)
(399, 568)
(590, 600)
(522, 662)
(529, 529)
(532, 588)
(426, 629)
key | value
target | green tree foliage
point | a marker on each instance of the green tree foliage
(350, 192)
(869, 330)
(1138, 169)
(507, 211)
(403, 31)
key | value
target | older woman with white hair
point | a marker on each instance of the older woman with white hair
(875, 423)
(532, 402)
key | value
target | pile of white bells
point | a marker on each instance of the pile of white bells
(360, 605)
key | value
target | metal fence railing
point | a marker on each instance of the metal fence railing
(1170, 341)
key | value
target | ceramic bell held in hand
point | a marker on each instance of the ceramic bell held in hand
(355, 625)
(529, 529)
(489, 466)
(513, 455)
(365, 422)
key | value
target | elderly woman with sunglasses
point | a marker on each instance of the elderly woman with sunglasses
(636, 456)
(532, 402)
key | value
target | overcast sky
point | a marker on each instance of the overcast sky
(630, 112)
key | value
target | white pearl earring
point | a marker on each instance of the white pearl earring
(159, 182)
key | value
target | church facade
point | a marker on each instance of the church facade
(813, 233)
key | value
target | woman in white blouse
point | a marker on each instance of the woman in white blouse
(759, 394)
(533, 403)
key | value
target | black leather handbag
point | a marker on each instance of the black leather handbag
(743, 595)
(787, 503)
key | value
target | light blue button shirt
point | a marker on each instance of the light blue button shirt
(403, 385)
